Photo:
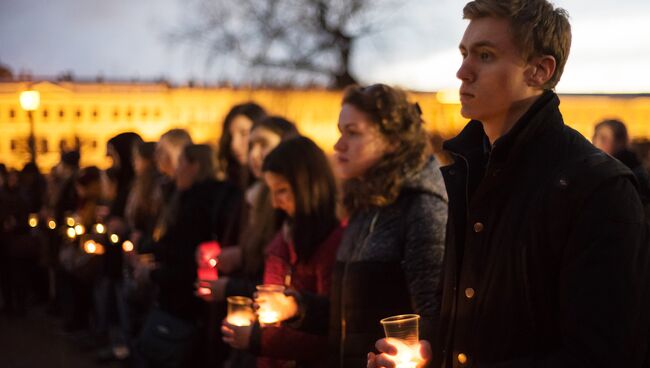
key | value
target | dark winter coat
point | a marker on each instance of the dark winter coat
(389, 263)
(198, 214)
(545, 265)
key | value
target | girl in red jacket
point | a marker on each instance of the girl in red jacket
(301, 255)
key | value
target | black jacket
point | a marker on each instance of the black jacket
(545, 264)
(389, 263)
(198, 214)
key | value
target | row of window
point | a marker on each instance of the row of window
(43, 146)
(94, 114)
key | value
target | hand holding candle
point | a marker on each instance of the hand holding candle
(237, 326)
(274, 305)
(401, 348)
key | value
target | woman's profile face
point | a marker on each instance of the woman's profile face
(282, 196)
(361, 144)
(262, 141)
(239, 129)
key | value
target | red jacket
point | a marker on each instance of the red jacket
(278, 345)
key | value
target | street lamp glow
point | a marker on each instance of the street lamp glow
(30, 100)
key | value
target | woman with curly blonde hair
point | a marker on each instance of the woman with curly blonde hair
(393, 246)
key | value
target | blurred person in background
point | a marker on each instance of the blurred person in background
(611, 137)
(109, 289)
(187, 221)
(301, 256)
(244, 265)
(232, 154)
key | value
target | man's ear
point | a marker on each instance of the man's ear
(541, 70)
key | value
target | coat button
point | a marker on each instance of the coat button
(469, 293)
(478, 227)
(462, 359)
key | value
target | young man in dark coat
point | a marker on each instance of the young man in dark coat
(546, 258)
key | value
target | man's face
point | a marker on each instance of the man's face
(493, 72)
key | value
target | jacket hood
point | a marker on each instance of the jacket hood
(428, 180)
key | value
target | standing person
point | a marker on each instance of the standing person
(244, 265)
(546, 260)
(394, 243)
(186, 222)
(232, 155)
(611, 137)
(110, 287)
(302, 254)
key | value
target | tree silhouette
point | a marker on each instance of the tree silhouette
(286, 39)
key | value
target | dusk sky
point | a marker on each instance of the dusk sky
(126, 39)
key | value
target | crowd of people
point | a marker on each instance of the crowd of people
(527, 250)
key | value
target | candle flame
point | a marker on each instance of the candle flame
(71, 233)
(268, 316)
(204, 291)
(92, 247)
(240, 319)
(51, 224)
(114, 238)
(33, 220)
(407, 356)
(212, 262)
(127, 246)
(70, 221)
(100, 228)
(79, 229)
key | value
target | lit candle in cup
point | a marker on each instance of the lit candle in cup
(403, 332)
(240, 311)
(207, 263)
(269, 299)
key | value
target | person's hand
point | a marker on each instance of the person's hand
(230, 259)
(285, 305)
(142, 269)
(392, 352)
(217, 289)
(238, 337)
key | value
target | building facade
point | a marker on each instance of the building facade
(87, 115)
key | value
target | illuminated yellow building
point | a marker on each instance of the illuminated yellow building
(88, 114)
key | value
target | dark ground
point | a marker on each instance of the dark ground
(37, 340)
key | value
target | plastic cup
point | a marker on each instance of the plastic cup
(240, 311)
(404, 332)
(269, 298)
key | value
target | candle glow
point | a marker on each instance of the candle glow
(114, 238)
(79, 229)
(33, 220)
(240, 319)
(127, 246)
(268, 316)
(71, 233)
(100, 228)
(51, 224)
(70, 221)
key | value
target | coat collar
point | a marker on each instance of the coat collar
(543, 115)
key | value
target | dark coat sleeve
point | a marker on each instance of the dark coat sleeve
(602, 285)
(426, 223)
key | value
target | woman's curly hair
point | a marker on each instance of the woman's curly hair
(400, 122)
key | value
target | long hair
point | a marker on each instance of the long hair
(229, 167)
(304, 165)
(144, 200)
(200, 154)
(400, 123)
